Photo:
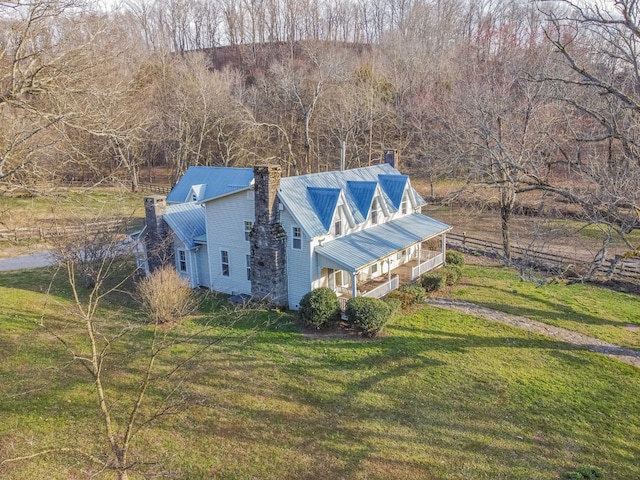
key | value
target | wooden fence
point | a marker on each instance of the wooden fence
(42, 233)
(151, 187)
(626, 270)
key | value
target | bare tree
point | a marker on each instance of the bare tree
(99, 269)
(596, 77)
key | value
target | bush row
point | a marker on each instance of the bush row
(434, 281)
(320, 307)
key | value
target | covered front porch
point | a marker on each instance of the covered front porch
(376, 261)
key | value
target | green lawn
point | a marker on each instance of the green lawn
(68, 207)
(582, 308)
(440, 396)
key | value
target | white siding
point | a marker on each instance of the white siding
(298, 263)
(191, 272)
(225, 219)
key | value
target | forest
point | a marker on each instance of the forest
(521, 97)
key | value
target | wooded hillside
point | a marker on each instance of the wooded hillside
(517, 95)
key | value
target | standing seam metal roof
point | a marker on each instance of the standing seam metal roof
(187, 220)
(295, 194)
(217, 181)
(363, 248)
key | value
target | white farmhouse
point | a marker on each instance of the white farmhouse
(249, 231)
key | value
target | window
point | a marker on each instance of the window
(194, 197)
(297, 238)
(247, 230)
(182, 261)
(374, 212)
(224, 260)
(374, 269)
(249, 267)
(337, 225)
(403, 206)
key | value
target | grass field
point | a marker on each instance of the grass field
(65, 207)
(440, 396)
(605, 314)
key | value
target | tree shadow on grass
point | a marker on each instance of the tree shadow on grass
(564, 312)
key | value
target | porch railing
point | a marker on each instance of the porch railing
(382, 290)
(430, 264)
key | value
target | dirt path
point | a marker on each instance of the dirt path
(623, 354)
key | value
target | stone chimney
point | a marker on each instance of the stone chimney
(392, 157)
(268, 239)
(157, 240)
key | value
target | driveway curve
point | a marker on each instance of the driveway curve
(22, 262)
(623, 354)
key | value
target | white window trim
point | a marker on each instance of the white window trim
(295, 237)
(223, 263)
(182, 261)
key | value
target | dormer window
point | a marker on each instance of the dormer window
(337, 224)
(374, 212)
(404, 208)
(194, 197)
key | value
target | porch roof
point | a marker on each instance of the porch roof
(363, 248)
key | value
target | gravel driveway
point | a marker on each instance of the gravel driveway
(32, 260)
(623, 354)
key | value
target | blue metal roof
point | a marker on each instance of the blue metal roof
(393, 185)
(324, 201)
(361, 193)
(295, 196)
(187, 220)
(363, 248)
(213, 181)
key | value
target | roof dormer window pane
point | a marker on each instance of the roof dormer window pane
(374, 212)
(337, 224)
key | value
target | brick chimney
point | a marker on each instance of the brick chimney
(157, 240)
(268, 239)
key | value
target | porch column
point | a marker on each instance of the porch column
(444, 248)
(354, 286)
(419, 252)
(389, 269)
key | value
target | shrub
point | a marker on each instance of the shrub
(433, 281)
(370, 315)
(166, 296)
(394, 303)
(454, 258)
(453, 274)
(586, 472)
(319, 308)
(398, 295)
(415, 292)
